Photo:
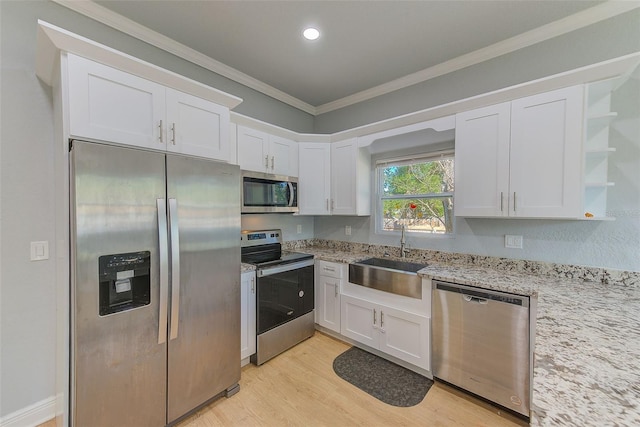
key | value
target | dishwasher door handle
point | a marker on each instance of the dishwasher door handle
(469, 298)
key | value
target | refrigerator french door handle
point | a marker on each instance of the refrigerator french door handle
(175, 267)
(164, 269)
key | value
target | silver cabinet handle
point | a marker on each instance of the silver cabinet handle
(335, 286)
(501, 201)
(173, 133)
(381, 318)
(332, 204)
(272, 162)
(514, 201)
(175, 267)
(164, 269)
(374, 317)
(325, 268)
(160, 137)
(266, 161)
(253, 285)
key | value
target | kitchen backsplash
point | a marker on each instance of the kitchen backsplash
(603, 275)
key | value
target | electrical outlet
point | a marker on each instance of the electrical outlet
(512, 241)
(347, 230)
(299, 228)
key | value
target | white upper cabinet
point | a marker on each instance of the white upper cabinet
(261, 152)
(350, 179)
(110, 105)
(197, 126)
(521, 158)
(482, 161)
(314, 178)
(107, 104)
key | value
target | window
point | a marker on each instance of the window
(416, 193)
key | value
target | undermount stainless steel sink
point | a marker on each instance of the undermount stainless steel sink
(396, 277)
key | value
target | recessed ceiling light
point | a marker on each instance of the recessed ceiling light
(311, 34)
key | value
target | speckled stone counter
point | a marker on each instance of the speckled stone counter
(247, 267)
(587, 344)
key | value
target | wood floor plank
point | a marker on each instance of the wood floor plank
(300, 388)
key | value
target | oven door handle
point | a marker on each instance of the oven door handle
(284, 267)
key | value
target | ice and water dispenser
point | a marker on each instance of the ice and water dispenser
(124, 281)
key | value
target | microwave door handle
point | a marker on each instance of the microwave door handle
(291, 195)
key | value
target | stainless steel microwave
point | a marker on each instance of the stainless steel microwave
(267, 193)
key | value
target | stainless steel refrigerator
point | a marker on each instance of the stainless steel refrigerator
(155, 292)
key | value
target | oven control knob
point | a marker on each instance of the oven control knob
(301, 294)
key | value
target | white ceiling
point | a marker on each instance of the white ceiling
(364, 45)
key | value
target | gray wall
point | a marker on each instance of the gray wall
(608, 39)
(611, 244)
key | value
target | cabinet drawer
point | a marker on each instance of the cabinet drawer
(331, 269)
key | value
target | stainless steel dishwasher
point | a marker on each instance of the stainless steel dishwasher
(481, 343)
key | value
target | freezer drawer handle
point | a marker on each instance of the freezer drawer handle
(164, 269)
(175, 267)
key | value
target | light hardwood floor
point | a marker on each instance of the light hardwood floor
(299, 388)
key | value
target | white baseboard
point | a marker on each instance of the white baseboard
(31, 415)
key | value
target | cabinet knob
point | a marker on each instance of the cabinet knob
(160, 137)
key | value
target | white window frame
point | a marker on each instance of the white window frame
(381, 164)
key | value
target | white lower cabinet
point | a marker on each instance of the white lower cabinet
(398, 333)
(328, 284)
(247, 314)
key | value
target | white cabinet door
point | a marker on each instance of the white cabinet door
(247, 314)
(359, 320)
(546, 154)
(350, 179)
(314, 178)
(283, 156)
(482, 161)
(343, 177)
(405, 336)
(260, 152)
(522, 158)
(197, 127)
(110, 105)
(253, 148)
(328, 302)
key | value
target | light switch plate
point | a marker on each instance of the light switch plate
(347, 230)
(39, 250)
(512, 241)
(299, 230)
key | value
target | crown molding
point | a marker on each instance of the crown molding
(105, 16)
(557, 28)
(553, 29)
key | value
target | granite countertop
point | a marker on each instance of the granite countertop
(587, 344)
(244, 267)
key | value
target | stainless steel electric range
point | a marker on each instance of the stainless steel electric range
(285, 294)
